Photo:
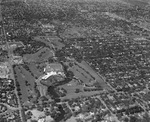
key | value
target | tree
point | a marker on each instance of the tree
(34, 121)
(133, 119)
(146, 118)
(97, 85)
(29, 114)
(126, 119)
(77, 90)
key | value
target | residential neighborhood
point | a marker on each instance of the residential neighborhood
(74, 61)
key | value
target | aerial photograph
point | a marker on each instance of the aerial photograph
(74, 60)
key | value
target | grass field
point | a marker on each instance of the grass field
(81, 74)
(24, 76)
(35, 70)
(40, 56)
(56, 42)
(71, 88)
(93, 73)
(90, 73)
(76, 95)
(21, 81)
(86, 77)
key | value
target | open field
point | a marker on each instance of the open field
(40, 56)
(26, 82)
(92, 73)
(72, 86)
(71, 90)
(21, 81)
(86, 77)
(81, 74)
(33, 68)
(76, 95)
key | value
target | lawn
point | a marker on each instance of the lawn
(81, 74)
(33, 68)
(40, 56)
(85, 75)
(71, 88)
(94, 74)
(26, 82)
(21, 81)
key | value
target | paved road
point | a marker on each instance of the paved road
(10, 67)
(10, 63)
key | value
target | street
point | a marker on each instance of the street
(10, 65)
